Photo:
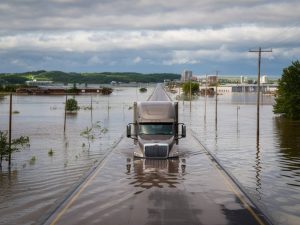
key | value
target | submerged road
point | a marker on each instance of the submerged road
(191, 189)
(188, 190)
(159, 94)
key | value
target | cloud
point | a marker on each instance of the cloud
(240, 37)
(143, 14)
(137, 60)
(80, 35)
(94, 60)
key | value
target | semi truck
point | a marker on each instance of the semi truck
(156, 130)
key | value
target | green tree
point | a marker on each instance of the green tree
(72, 105)
(194, 87)
(287, 101)
(16, 145)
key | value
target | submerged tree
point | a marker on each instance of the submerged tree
(16, 145)
(143, 89)
(72, 105)
(194, 86)
(288, 94)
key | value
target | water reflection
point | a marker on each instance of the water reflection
(258, 169)
(149, 173)
(2, 98)
(288, 134)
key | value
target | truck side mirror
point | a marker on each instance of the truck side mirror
(128, 130)
(183, 130)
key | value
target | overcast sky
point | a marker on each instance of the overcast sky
(148, 35)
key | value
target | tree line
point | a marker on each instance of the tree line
(92, 78)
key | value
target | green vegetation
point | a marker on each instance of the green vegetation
(9, 88)
(288, 94)
(89, 78)
(194, 87)
(143, 89)
(32, 160)
(72, 105)
(50, 152)
(16, 145)
(90, 133)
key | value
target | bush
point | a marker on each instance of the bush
(16, 145)
(71, 105)
(143, 89)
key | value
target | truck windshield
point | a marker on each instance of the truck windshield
(156, 129)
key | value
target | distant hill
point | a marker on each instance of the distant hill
(91, 78)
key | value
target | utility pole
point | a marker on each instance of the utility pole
(205, 97)
(217, 72)
(65, 118)
(190, 94)
(92, 110)
(258, 86)
(9, 129)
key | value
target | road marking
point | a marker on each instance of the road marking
(241, 198)
(229, 185)
(73, 199)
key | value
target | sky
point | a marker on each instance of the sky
(149, 36)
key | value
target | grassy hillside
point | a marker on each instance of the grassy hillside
(95, 78)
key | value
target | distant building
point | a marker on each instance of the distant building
(186, 75)
(243, 80)
(264, 79)
(38, 82)
(212, 79)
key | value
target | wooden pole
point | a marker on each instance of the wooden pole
(190, 95)
(258, 93)
(216, 98)
(65, 113)
(258, 87)
(92, 109)
(205, 97)
(9, 129)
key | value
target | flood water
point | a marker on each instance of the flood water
(268, 168)
(34, 186)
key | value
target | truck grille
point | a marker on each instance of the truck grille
(156, 150)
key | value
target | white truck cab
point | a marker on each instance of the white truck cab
(156, 129)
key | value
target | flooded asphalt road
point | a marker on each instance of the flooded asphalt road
(191, 189)
(268, 170)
